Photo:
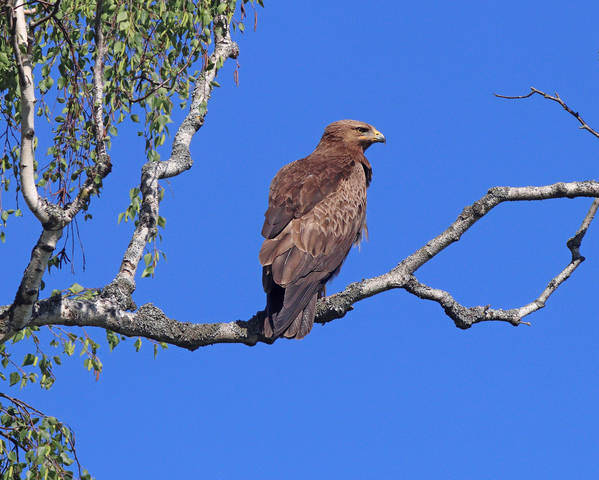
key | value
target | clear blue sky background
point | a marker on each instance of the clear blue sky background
(393, 390)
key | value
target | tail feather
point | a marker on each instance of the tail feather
(308, 318)
(290, 311)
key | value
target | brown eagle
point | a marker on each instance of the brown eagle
(316, 212)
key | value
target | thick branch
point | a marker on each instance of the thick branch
(179, 161)
(151, 322)
(27, 156)
(19, 315)
(148, 321)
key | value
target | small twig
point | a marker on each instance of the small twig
(21, 403)
(50, 15)
(557, 99)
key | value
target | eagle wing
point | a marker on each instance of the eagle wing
(316, 212)
(299, 186)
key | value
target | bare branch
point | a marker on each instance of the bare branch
(335, 306)
(111, 312)
(179, 161)
(556, 98)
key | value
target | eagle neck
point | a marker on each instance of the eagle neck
(335, 147)
(330, 145)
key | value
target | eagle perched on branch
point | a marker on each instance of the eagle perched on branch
(316, 212)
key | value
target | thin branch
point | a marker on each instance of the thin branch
(103, 165)
(555, 98)
(173, 79)
(50, 15)
(21, 403)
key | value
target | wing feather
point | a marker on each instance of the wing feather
(310, 249)
(300, 185)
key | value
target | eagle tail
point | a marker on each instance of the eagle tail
(290, 311)
(302, 324)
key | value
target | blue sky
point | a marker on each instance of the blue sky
(393, 390)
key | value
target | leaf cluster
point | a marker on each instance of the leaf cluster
(154, 51)
(35, 446)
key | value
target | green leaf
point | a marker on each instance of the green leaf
(30, 359)
(14, 378)
(69, 348)
(149, 270)
(113, 339)
(76, 288)
(137, 344)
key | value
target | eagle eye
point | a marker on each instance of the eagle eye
(362, 129)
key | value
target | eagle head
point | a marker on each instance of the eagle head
(352, 133)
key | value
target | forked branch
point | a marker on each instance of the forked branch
(555, 98)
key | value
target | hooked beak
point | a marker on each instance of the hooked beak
(378, 136)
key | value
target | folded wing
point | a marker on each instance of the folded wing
(316, 212)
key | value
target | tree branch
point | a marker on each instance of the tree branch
(151, 322)
(179, 161)
(557, 99)
(103, 165)
(27, 157)
(53, 217)
(19, 315)
(47, 17)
